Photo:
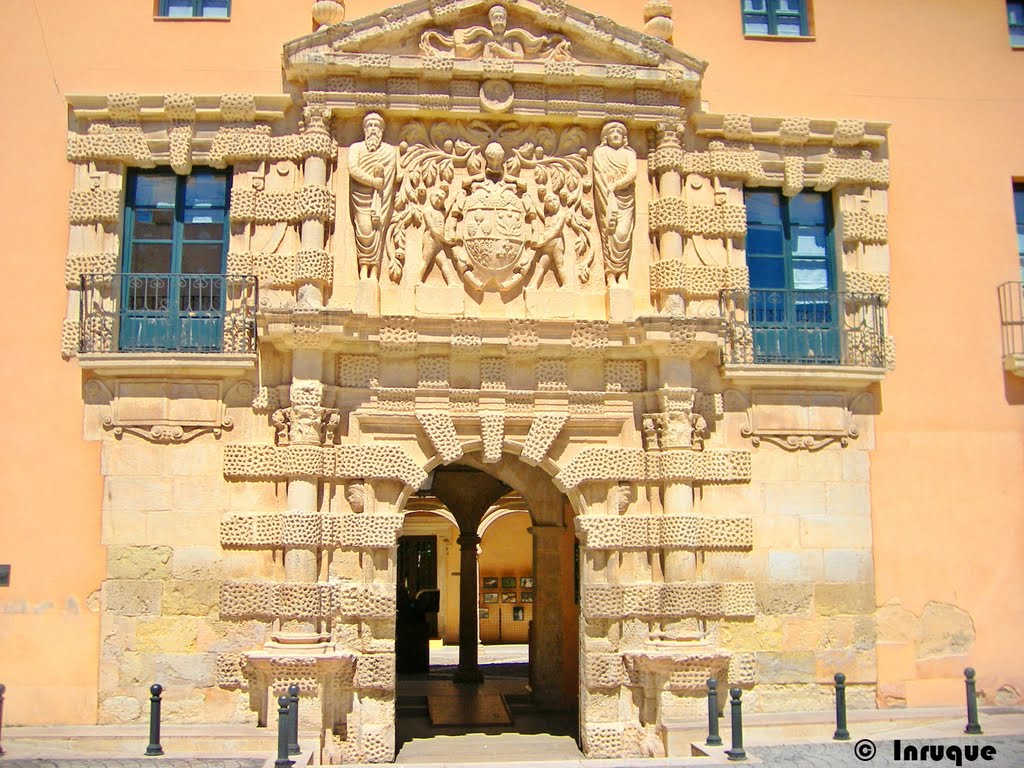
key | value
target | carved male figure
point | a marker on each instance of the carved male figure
(373, 168)
(615, 171)
(550, 244)
(496, 42)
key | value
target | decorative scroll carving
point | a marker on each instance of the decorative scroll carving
(616, 601)
(150, 409)
(615, 171)
(495, 42)
(670, 531)
(373, 169)
(799, 420)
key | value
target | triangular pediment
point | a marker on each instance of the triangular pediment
(539, 39)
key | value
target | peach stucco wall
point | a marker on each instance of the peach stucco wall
(947, 479)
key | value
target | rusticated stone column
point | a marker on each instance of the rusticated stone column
(316, 118)
(469, 617)
(546, 638)
(670, 184)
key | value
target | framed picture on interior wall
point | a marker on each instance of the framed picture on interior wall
(508, 597)
(518, 613)
(490, 597)
(485, 613)
(508, 582)
(526, 597)
(490, 582)
(526, 582)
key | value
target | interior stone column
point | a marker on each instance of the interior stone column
(546, 649)
(469, 617)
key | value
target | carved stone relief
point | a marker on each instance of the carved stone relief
(799, 420)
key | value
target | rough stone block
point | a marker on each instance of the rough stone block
(133, 598)
(896, 623)
(795, 565)
(120, 709)
(835, 532)
(197, 564)
(803, 634)
(775, 531)
(191, 670)
(195, 459)
(834, 599)
(137, 494)
(191, 598)
(166, 635)
(858, 666)
(181, 527)
(135, 458)
(944, 630)
(821, 466)
(848, 565)
(138, 562)
(849, 499)
(856, 467)
(794, 499)
(789, 667)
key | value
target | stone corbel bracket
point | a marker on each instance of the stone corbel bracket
(800, 420)
(131, 407)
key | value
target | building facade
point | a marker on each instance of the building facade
(483, 257)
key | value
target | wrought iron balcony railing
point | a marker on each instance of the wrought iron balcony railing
(1011, 315)
(151, 312)
(780, 327)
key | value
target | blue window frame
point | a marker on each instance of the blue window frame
(1015, 20)
(794, 309)
(194, 9)
(175, 248)
(781, 18)
(1018, 207)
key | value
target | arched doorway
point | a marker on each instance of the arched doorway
(512, 532)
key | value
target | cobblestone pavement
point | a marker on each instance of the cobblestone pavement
(131, 762)
(1009, 753)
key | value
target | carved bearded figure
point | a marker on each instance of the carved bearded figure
(615, 172)
(372, 167)
(496, 42)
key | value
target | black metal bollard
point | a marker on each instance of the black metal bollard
(154, 749)
(714, 739)
(293, 717)
(973, 726)
(283, 729)
(841, 734)
(3, 690)
(737, 752)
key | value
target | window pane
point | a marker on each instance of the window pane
(754, 24)
(151, 257)
(807, 208)
(810, 275)
(205, 191)
(155, 191)
(755, 5)
(200, 294)
(179, 8)
(808, 241)
(767, 273)
(763, 207)
(215, 9)
(1015, 13)
(787, 6)
(204, 225)
(153, 224)
(764, 241)
(788, 26)
(146, 293)
(201, 259)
